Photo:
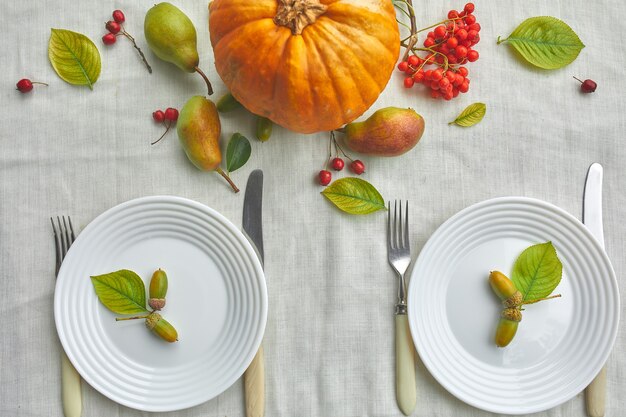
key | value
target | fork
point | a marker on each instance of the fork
(70, 379)
(399, 255)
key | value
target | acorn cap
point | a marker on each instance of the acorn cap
(513, 314)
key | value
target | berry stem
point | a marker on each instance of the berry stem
(413, 36)
(499, 41)
(208, 83)
(576, 78)
(145, 61)
(227, 178)
(131, 318)
(541, 299)
(164, 133)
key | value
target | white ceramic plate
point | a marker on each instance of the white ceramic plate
(560, 345)
(217, 300)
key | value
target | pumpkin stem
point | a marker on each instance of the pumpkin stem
(298, 14)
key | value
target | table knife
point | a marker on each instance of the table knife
(595, 393)
(254, 377)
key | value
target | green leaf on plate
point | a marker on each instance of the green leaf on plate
(122, 292)
(354, 196)
(472, 114)
(545, 42)
(74, 57)
(537, 271)
(238, 152)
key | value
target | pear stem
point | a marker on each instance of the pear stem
(227, 178)
(145, 61)
(131, 318)
(206, 79)
(541, 299)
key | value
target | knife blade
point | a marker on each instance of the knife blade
(254, 377)
(595, 393)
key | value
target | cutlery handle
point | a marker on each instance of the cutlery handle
(406, 391)
(70, 388)
(595, 394)
(254, 385)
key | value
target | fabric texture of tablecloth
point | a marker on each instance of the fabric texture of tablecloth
(329, 337)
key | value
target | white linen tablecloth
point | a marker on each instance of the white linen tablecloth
(329, 337)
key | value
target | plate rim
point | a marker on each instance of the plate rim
(223, 221)
(580, 228)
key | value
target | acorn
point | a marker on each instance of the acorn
(158, 290)
(161, 327)
(505, 289)
(507, 327)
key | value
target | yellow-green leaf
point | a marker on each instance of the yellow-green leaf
(537, 271)
(122, 292)
(74, 57)
(545, 42)
(354, 196)
(472, 114)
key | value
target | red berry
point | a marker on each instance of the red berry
(453, 14)
(113, 27)
(431, 35)
(118, 16)
(471, 34)
(461, 34)
(337, 164)
(109, 39)
(437, 74)
(403, 66)
(434, 85)
(413, 60)
(463, 71)
(428, 75)
(24, 85)
(444, 83)
(452, 42)
(440, 31)
(418, 77)
(469, 8)
(408, 82)
(325, 177)
(470, 19)
(474, 26)
(158, 116)
(428, 42)
(448, 95)
(451, 76)
(455, 92)
(464, 88)
(587, 86)
(357, 167)
(460, 51)
(466, 43)
(472, 55)
(435, 94)
(458, 80)
(444, 49)
(171, 114)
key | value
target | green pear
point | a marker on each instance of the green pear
(172, 37)
(198, 127)
(390, 131)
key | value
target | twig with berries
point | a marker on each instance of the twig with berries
(25, 85)
(167, 117)
(448, 47)
(337, 163)
(116, 29)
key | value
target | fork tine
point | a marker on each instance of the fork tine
(57, 245)
(395, 225)
(68, 242)
(401, 239)
(72, 235)
(388, 226)
(406, 226)
(62, 238)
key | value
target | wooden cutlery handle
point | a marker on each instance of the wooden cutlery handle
(254, 385)
(70, 388)
(595, 395)
(406, 392)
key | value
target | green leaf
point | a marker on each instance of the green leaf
(472, 114)
(74, 57)
(122, 292)
(545, 42)
(354, 196)
(537, 271)
(238, 152)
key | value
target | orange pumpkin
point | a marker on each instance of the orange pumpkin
(307, 65)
